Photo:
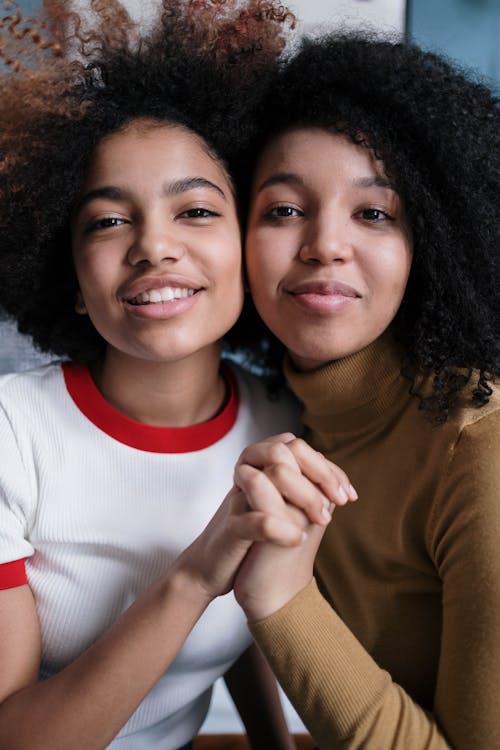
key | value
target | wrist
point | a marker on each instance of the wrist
(258, 608)
(183, 581)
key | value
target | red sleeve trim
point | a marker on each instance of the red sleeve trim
(12, 574)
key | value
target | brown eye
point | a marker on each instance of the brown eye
(282, 212)
(105, 223)
(375, 215)
(198, 213)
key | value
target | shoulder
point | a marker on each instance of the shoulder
(30, 380)
(273, 413)
(478, 427)
(468, 493)
(25, 393)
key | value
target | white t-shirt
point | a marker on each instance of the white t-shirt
(99, 505)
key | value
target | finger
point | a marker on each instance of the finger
(299, 491)
(255, 526)
(270, 490)
(296, 517)
(259, 491)
(271, 450)
(331, 479)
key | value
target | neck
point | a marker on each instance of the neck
(163, 394)
(354, 390)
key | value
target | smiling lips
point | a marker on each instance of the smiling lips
(323, 296)
(159, 298)
(329, 288)
(164, 294)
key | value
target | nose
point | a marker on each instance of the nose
(156, 240)
(326, 240)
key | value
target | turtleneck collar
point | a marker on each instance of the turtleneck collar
(356, 390)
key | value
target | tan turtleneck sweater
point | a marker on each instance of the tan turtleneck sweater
(401, 649)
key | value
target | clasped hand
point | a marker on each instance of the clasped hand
(263, 539)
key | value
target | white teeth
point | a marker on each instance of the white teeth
(166, 294)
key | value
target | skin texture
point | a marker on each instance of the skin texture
(323, 213)
(165, 216)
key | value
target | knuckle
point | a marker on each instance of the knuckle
(342, 477)
(337, 472)
(278, 474)
(299, 446)
(240, 474)
(278, 452)
(265, 526)
(253, 482)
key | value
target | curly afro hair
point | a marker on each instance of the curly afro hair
(67, 81)
(437, 133)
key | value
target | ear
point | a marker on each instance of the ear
(80, 307)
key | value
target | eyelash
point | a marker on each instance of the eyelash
(273, 214)
(108, 222)
(383, 215)
(284, 211)
(105, 223)
(198, 213)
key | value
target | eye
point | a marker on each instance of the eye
(374, 215)
(198, 213)
(105, 223)
(282, 212)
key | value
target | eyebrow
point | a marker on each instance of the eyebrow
(190, 183)
(368, 182)
(289, 178)
(280, 178)
(177, 187)
(113, 193)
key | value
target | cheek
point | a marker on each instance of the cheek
(403, 269)
(392, 267)
(391, 277)
(230, 266)
(261, 260)
(96, 279)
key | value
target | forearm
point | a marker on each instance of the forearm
(253, 688)
(338, 690)
(88, 702)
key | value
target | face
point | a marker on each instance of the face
(328, 253)
(156, 244)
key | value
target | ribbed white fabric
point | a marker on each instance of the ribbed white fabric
(98, 521)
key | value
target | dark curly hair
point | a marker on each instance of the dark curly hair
(437, 133)
(68, 80)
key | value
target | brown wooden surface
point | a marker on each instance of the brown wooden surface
(239, 742)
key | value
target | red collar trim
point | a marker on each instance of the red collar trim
(93, 405)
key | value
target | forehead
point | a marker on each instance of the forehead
(144, 150)
(316, 150)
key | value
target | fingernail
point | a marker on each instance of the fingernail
(342, 494)
(352, 492)
(326, 516)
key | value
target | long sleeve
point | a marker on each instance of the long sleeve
(345, 699)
